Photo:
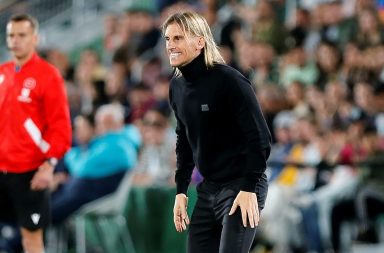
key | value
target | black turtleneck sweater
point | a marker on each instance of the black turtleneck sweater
(220, 127)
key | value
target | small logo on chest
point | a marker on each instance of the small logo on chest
(35, 217)
(28, 85)
(2, 77)
(204, 108)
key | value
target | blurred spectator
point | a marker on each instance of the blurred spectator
(161, 96)
(264, 69)
(150, 71)
(118, 79)
(144, 34)
(84, 131)
(61, 61)
(296, 99)
(161, 89)
(140, 99)
(283, 143)
(329, 24)
(364, 99)
(318, 106)
(299, 27)
(227, 39)
(96, 168)
(265, 27)
(112, 40)
(297, 177)
(364, 206)
(272, 100)
(244, 57)
(296, 66)
(352, 69)
(157, 159)
(370, 31)
(328, 61)
(88, 70)
(210, 13)
(353, 151)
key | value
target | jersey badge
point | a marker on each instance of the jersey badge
(28, 85)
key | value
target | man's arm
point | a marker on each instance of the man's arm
(252, 124)
(184, 154)
(183, 175)
(183, 178)
(184, 168)
(57, 129)
(57, 132)
(184, 160)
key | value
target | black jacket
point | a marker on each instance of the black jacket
(220, 127)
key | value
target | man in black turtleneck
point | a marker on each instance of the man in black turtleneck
(221, 131)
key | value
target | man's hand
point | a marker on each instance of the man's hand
(43, 177)
(180, 215)
(247, 201)
(59, 178)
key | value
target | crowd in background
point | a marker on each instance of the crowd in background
(318, 73)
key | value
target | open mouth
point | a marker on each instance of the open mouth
(174, 55)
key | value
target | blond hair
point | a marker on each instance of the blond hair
(194, 24)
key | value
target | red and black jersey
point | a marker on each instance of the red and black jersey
(34, 115)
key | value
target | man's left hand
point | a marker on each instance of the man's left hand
(247, 201)
(43, 177)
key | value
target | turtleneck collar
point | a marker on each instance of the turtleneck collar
(195, 69)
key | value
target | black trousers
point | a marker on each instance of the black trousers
(212, 230)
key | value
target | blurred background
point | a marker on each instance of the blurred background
(317, 67)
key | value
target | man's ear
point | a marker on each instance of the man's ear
(201, 43)
(36, 39)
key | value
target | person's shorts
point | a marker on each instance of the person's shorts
(19, 204)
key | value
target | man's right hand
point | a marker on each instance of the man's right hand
(180, 215)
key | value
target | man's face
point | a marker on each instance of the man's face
(21, 39)
(181, 48)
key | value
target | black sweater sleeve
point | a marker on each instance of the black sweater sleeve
(251, 122)
(184, 155)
